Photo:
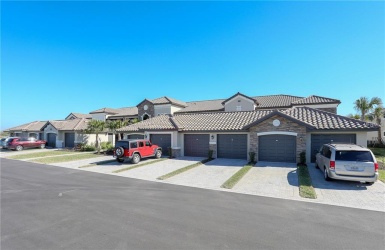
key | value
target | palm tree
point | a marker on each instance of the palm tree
(364, 106)
(95, 127)
(376, 116)
(114, 125)
(355, 116)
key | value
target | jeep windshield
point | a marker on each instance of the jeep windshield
(364, 156)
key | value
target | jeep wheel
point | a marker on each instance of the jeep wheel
(158, 154)
(135, 158)
(119, 160)
(119, 152)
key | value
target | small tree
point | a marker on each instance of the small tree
(95, 127)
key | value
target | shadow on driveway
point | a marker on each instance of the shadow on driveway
(319, 182)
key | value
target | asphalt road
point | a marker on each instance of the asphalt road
(46, 207)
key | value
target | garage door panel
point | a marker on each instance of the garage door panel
(232, 146)
(318, 140)
(69, 140)
(277, 148)
(196, 145)
(162, 140)
(51, 140)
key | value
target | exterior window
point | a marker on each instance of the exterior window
(140, 144)
(145, 117)
(148, 143)
(239, 108)
(133, 144)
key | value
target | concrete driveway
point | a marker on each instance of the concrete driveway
(348, 193)
(210, 175)
(273, 179)
(153, 171)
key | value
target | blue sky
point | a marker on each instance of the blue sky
(62, 57)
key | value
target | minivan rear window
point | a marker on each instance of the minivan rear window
(354, 156)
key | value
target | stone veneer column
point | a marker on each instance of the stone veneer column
(285, 126)
(213, 147)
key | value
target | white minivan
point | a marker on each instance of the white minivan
(348, 162)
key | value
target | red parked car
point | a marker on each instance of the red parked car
(22, 143)
(135, 150)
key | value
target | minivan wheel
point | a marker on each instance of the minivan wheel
(135, 158)
(326, 175)
(19, 148)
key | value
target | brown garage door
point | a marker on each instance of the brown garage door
(277, 148)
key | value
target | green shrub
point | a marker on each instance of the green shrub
(252, 156)
(169, 152)
(302, 157)
(87, 147)
(106, 145)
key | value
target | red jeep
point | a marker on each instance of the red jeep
(135, 150)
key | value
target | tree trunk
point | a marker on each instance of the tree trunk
(379, 136)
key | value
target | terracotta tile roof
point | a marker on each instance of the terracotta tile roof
(168, 100)
(31, 126)
(276, 101)
(238, 121)
(105, 110)
(322, 120)
(313, 99)
(161, 122)
(74, 124)
(128, 111)
(203, 106)
(223, 121)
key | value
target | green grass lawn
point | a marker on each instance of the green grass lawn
(230, 183)
(181, 170)
(41, 154)
(65, 158)
(306, 189)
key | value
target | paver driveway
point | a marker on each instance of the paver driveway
(348, 193)
(273, 179)
(210, 175)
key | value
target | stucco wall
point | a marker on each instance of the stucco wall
(90, 138)
(246, 104)
(162, 109)
(285, 126)
(99, 116)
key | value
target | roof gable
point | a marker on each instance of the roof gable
(240, 94)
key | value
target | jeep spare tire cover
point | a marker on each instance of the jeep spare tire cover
(119, 151)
